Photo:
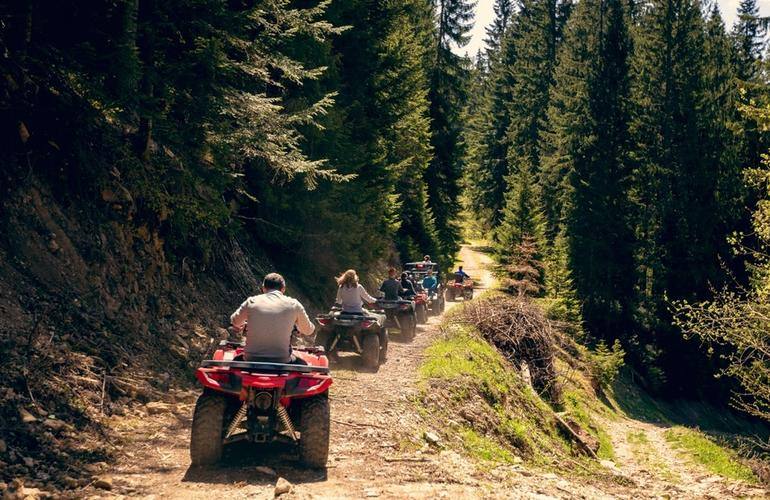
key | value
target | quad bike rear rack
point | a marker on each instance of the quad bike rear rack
(264, 367)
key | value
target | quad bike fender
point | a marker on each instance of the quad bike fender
(291, 385)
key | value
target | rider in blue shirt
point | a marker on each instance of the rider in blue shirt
(429, 282)
(460, 275)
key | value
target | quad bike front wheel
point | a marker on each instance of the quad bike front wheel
(371, 351)
(208, 423)
(314, 431)
(324, 339)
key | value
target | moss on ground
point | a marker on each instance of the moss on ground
(700, 449)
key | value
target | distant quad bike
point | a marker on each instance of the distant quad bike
(400, 317)
(359, 333)
(458, 289)
(421, 307)
(435, 303)
(262, 403)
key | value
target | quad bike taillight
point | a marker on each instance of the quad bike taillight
(323, 320)
(367, 323)
(263, 400)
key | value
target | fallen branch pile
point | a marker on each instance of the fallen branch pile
(523, 335)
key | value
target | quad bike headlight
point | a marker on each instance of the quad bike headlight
(263, 401)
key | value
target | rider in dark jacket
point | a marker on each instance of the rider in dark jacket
(391, 287)
(408, 287)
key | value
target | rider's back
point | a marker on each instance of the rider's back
(271, 318)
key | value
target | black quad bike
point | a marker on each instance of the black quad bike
(400, 317)
(350, 332)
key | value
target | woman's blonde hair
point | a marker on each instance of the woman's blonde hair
(348, 279)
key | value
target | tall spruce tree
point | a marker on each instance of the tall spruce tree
(521, 235)
(749, 34)
(504, 12)
(674, 181)
(448, 93)
(749, 37)
(488, 181)
(535, 35)
(586, 173)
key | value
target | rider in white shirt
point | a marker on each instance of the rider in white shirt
(351, 295)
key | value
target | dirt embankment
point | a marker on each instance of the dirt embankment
(93, 316)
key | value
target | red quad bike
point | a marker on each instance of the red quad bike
(421, 304)
(400, 316)
(262, 403)
(462, 289)
(363, 334)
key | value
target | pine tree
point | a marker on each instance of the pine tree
(749, 37)
(560, 286)
(726, 133)
(487, 182)
(586, 174)
(447, 95)
(522, 214)
(535, 35)
(504, 12)
(520, 237)
(675, 179)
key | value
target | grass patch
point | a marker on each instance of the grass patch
(484, 448)
(496, 415)
(464, 355)
(706, 452)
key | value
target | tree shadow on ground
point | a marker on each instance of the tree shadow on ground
(482, 249)
(636, 402)
(240, 460)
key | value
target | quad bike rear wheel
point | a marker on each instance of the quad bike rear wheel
(441, 305)
(408, 327)
(371, 351)
(314, 431)
(450, 294)
(422, 314)
(208, 423)
(383, 345)
(468, 294)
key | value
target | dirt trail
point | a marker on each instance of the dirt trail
(377, 449)
(644, 454)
